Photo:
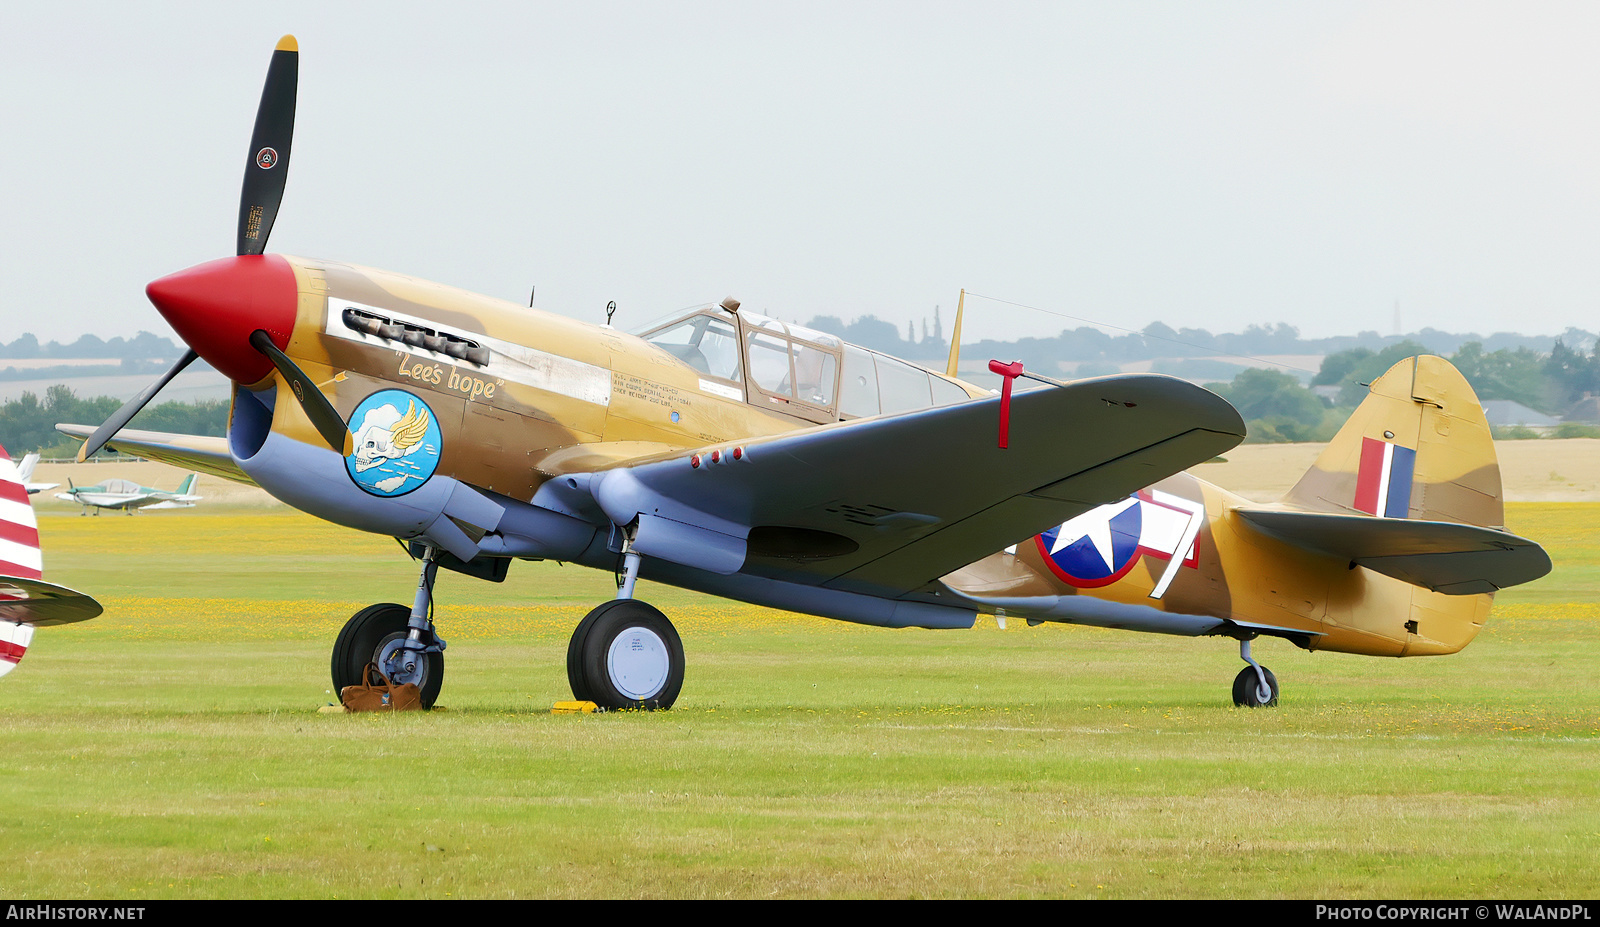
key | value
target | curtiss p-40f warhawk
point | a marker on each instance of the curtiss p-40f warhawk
(726, 452)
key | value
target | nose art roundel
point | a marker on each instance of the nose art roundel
(397, 443)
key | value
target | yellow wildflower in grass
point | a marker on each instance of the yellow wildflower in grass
(1561, 611)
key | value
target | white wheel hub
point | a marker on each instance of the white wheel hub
(638, 663)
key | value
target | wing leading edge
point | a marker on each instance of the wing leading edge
(191, 452)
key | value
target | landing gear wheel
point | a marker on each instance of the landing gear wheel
(626, 654)
(1247, 689)
(375, 635)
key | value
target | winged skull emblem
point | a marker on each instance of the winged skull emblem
(382, 438)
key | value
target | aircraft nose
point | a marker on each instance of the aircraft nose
(215, 307)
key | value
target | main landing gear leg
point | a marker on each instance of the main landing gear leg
(401, 641)
(1255, 686)
(625, 653)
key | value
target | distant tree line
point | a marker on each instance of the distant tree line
(1277, 408)
(1549, 383)
(142, 346)
(128, 365)
(1086, 344)
(29, 424)
(1545, 373)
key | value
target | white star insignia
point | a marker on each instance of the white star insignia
(1095, 525)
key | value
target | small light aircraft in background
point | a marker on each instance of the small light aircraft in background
(128, 496)
(26, 601)
(723, 451)
(25, 473)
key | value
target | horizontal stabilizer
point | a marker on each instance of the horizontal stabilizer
(40, 604)
(1445, 557)
(191, 452)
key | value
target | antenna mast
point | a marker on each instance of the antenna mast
(955, 338)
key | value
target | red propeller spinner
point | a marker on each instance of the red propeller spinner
(216, 306)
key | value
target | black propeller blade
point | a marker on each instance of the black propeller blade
(131, 408)
(264, 178)
(321, 412)
(268, 167)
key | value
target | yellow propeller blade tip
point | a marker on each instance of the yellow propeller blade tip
(287, 43)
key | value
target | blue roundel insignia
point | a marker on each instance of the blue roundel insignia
(396, 446)
(1098, 547)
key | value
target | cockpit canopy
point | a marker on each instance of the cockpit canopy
(806, 373)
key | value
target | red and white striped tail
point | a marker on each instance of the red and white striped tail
(19, 532)
(19, 556)
(14, 641)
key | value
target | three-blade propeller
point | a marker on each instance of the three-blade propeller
(259, 198)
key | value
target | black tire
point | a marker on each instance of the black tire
(362, 641)
(646, 673)
(575, 676)
(1244, 689)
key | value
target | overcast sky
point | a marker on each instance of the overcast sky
(1208, 164)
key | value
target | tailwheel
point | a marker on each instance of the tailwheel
(378, 634)
(1255, 686)
(626, 654)
(1249, 692)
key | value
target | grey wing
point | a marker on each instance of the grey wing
(887, 505)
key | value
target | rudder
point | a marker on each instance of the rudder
(1417, 447)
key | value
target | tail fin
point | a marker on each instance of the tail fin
(187, 486)
(19, 555)
(1417, 447)
(1410, 487)
(26, 601)
(25, 469)
(19, 532)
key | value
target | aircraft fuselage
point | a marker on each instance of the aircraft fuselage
(1176, 559)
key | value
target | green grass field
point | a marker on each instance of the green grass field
(173, 747)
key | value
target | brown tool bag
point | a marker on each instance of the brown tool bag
(377, 693)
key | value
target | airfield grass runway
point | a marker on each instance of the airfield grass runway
(173, 747)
